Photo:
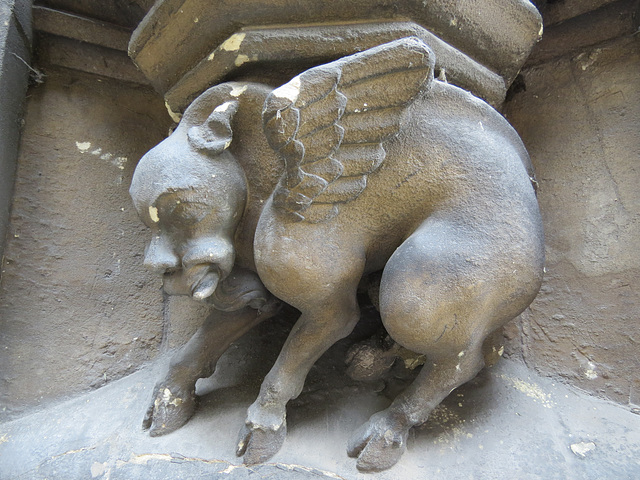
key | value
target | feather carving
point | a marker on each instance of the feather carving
(329, 124)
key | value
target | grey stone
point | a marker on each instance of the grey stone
(15, 55)
(260, 46)
(85, 57)
(126, 13)
(507, 423)
(176, 35)
(295, 194)
(557, 12)
(77, 309)
(613, 20)
(579, 119)
(81, 28)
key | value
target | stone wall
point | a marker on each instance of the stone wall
(579, 114)
(15, 55)
(77, 308)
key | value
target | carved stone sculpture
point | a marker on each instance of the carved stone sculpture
(292, 194)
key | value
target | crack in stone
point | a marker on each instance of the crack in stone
(144, 458)
(70, 452)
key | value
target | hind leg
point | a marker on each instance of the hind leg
(438, 297)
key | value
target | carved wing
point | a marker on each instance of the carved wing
(330, 122)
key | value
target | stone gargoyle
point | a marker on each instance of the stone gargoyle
(292, 194)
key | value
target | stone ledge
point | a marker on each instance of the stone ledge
(614, 20)
(80, 28)
(261, 47)
(177, 34)
(508, 422)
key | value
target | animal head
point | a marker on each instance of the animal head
(191, 193)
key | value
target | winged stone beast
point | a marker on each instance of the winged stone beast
(292, 194)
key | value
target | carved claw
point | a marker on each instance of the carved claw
(378, 444)
(170, 409)
(258, 443)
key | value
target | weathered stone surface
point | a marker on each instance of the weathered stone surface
(309, 45)
(508, 423)
(85, 57)
(21, 10)
(126, 13)
(15, 55)
(80, 28)
(177, 34)
(612, 21)
(364, 164)
(556, 12)
(77, 308)
(581, 318)
(579, 119)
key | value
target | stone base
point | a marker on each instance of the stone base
(507, 423)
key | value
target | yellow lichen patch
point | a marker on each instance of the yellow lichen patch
(411, 359)
(176, 117)
(289, 90)
(241, 59)
(153, 215)
(233, 43)
(236, 91)
(83, 146)
(442, 418)
(531, 390)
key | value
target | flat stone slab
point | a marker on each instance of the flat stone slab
(185, 46)
(507, 423)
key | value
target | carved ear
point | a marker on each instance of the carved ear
(214, 135)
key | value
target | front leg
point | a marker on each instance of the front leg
(318, 328)
(174, 399)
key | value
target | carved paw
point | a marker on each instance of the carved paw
(261, 437)
(171, 407)
(378, 444)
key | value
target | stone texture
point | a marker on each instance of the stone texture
(127, 13)
(612, 21)
(559, 11)
(578, 116)
(579, 119)
(301, 47)
(177, 34)
(15, 55)
(85, 57)
(451, 172)
(81, 28)
(77, 308)
(508, 423)
(182, 316)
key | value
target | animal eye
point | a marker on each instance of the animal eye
(189, 213)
